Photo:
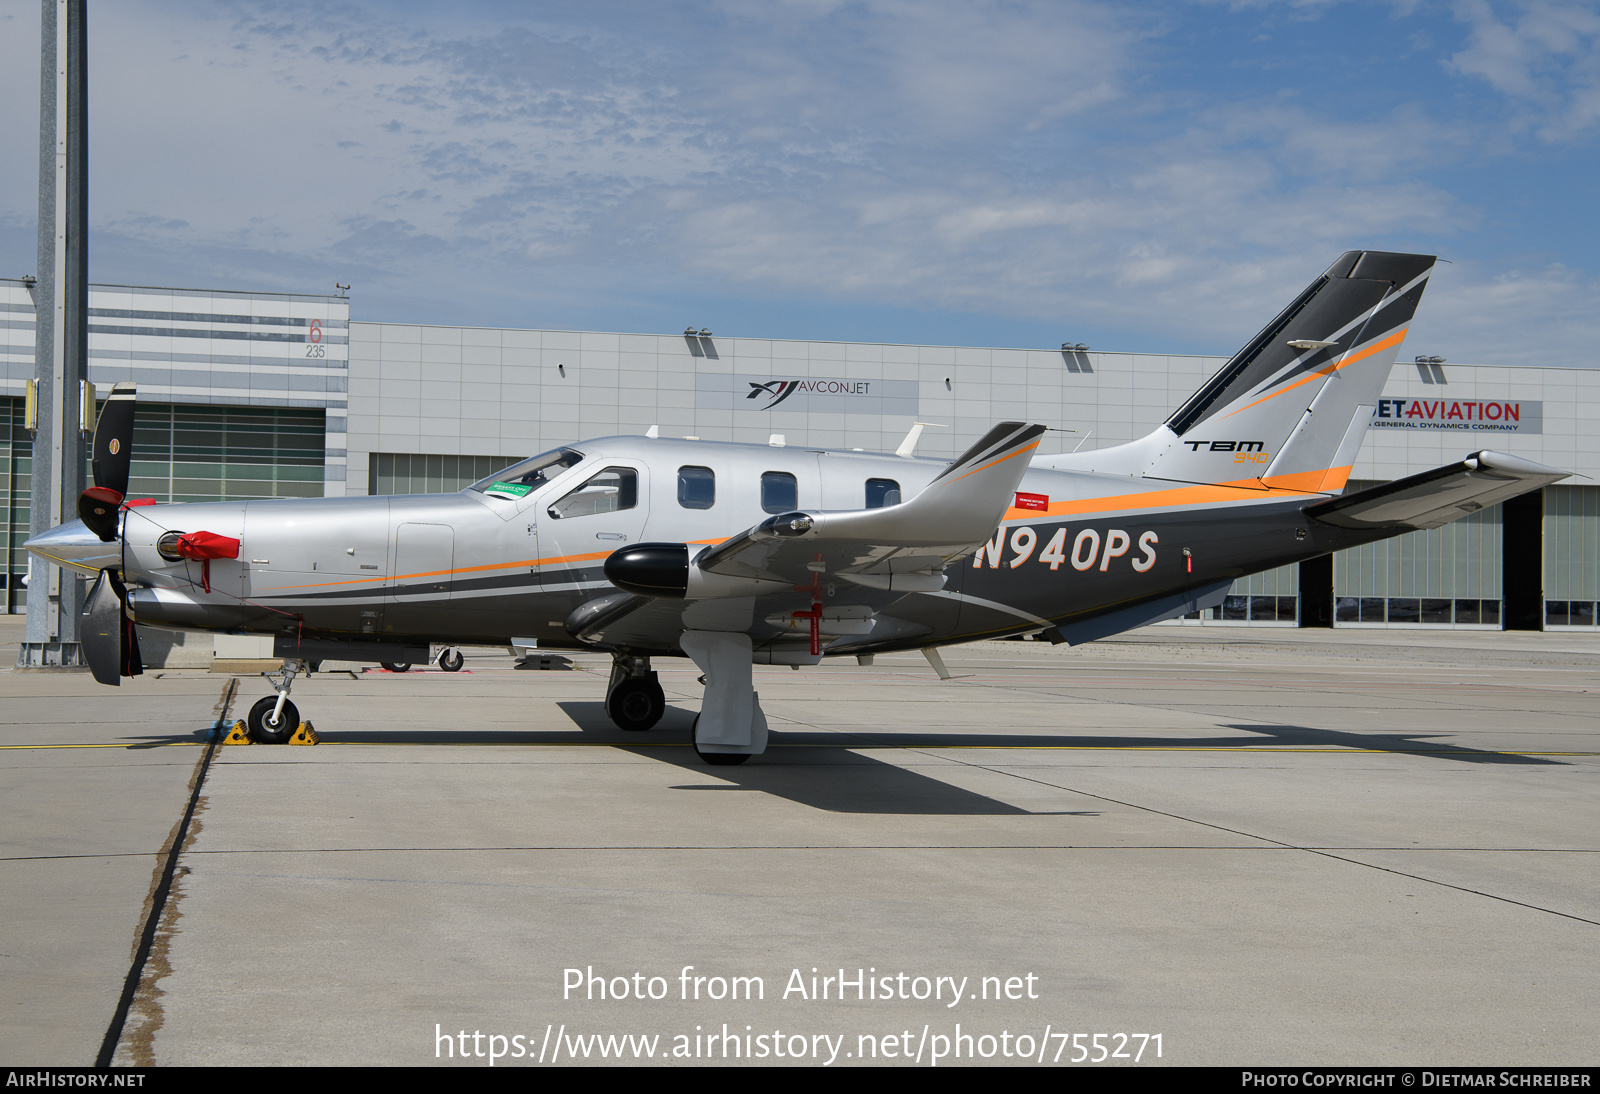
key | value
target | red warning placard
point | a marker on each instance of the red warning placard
(1040, 502)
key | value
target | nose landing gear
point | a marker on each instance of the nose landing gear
(273, 720)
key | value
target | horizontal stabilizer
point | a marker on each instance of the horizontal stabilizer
(1437, 497)
(1094, 628)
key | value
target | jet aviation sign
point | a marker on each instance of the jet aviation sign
(820, 394)
(1477, 415)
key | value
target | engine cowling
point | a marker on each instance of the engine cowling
(667, 570)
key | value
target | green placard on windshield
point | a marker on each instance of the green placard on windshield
(508, 488)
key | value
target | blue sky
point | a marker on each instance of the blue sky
(1161, 176)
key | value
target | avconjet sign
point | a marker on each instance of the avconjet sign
(816, 394)
(1475, 415)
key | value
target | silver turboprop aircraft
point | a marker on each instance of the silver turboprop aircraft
(736, 555)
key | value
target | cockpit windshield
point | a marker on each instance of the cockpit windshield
(524, 478)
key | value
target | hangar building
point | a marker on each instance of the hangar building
(259, 395)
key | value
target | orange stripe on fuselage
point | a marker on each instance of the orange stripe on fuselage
(527, 562)
(1325, 481)
(1279, 488)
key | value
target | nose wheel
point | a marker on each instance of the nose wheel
(273, 719)
(269, 726)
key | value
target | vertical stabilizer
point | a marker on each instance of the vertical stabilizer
(1290, 409)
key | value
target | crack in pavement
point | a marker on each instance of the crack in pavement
(141, 997)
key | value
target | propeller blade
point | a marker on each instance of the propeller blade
(109, 638)
(101, 632)
(113, 440)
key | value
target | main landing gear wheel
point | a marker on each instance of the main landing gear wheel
(263, 730)
(396, 666)
(451, 660)
(637, 703)
(716, 759)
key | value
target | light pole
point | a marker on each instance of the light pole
(61, 332)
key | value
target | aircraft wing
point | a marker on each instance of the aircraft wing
(1437, 497)
(885, 553)
(955, 514)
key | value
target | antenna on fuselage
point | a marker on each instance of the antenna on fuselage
(653, 432)
(909, 445)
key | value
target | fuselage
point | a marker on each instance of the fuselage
(491, 565)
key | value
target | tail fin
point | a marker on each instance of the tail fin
(1291, 408)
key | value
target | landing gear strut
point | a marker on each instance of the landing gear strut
(273, 720)
(634, 699)
(732, 726)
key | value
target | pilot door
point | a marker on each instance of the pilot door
(583, 524)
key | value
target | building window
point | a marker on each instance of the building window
(421, 473)
(16, 482)
(697, 487)
(882, 493)
(226, 453)
(1437, 611)
(780, 492)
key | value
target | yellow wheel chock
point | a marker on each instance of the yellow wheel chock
(305, 735)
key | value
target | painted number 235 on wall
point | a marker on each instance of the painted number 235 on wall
(314, 346)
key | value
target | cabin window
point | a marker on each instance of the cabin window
(882, 492)
(780, 493)
(697, 487)
(613, 489)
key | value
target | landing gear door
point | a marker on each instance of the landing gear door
(579, 527)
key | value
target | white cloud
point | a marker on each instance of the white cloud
(1012, 160)
(1540, 315)
(1545, 54)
